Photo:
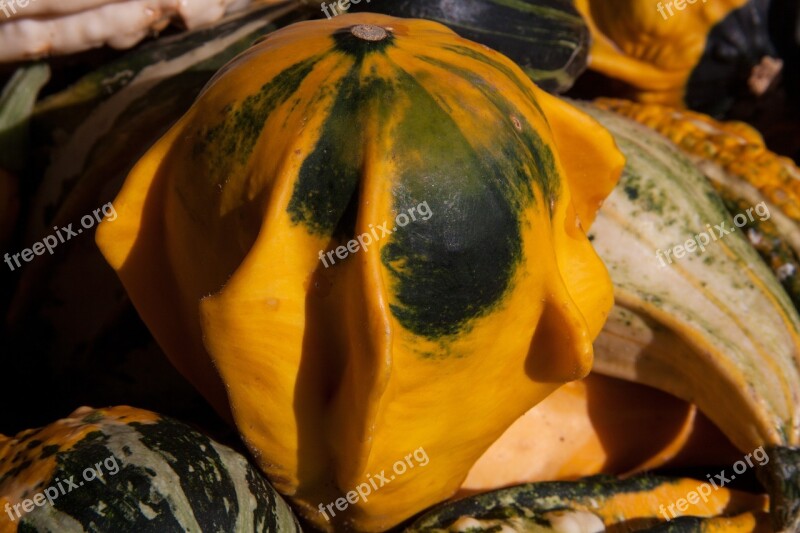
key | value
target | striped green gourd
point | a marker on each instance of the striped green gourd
(125, 469)
(703, 323)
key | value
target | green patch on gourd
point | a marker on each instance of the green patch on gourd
(457, 265)
(523, 86)
(198, 467)
(329, 177)
(231, 141)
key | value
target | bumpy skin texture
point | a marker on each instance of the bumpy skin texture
(738, 148)
(317, 135)
(151, 474)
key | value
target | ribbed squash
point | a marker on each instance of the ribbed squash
(125, 469)
(744, 172)
(710, 324)
(736, 147)
(326, 131)
(599, 425)
(602, 503)
(701, 56)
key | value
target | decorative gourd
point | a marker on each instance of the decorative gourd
(337, 370)
(736, 147)
(599, 502)
(744, 173)
(707, 324)
(599, 425)
(701, 56)
(547, 38)
(125, 469)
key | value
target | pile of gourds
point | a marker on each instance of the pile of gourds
(567, 338)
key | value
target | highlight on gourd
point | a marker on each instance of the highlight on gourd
(330, 374)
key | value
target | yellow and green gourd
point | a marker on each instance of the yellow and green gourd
(440, 333)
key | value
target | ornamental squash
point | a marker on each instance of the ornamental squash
(703, 321)
(547, 38)
(744, 172)
(735, 146)
(125, 469)
(702, 55)
(596, 503)
(454, 195)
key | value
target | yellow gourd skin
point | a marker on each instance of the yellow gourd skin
(633, 42)
(440, 334)
(599, 425)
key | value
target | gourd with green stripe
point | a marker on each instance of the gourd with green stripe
(744, 172)
(704, 323)
(237, 241)
(125, 469)
(547, 38)
(601, 503)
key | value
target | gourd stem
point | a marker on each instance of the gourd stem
(369, 32)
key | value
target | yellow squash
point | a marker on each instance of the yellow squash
(695, 53)
(367, 239)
